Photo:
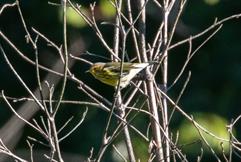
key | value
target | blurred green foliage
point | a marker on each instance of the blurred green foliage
(212, 122)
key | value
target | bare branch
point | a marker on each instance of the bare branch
(20, 79)
(5, 150)
(6, 6)
(215, 24)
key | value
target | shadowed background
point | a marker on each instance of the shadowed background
(212, 95)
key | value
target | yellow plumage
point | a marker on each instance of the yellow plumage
(109, 73)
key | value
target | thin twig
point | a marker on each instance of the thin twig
(76, 126)
(20, 79)
(20, 117)
(205, 141)
(216, 23)
(66, 60)
(92, 23)
(28, 36)
(129, 10)
(5, 150)
(191, 54)
(31, 150)
(83, 85)
(180, 95)
(119, 153)
(191, 120)
(6, 6)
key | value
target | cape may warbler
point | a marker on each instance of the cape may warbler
(109, 73)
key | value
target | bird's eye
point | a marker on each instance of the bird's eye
(95, 68)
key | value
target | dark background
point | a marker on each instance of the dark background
(214, 89)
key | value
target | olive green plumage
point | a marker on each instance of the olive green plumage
(109, 73)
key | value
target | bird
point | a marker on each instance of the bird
(110, 74)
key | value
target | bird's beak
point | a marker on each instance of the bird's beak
(87, 71)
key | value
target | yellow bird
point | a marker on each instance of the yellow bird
(109, 73)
